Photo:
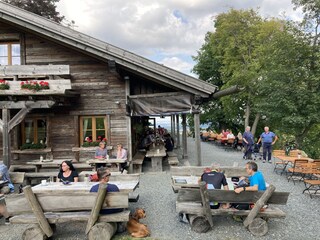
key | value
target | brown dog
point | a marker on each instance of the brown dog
(135, 228)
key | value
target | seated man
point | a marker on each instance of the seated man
(4, 176)
(214, 179)
(104, 175)
(256, 179)
(257, 183)
(168, 144)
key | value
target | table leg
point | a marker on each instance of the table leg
(156, 163)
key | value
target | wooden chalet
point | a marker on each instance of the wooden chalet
(95, 90)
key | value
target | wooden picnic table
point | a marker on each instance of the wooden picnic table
(48, 163)
(117, 161)
(59, 187)
(193, 182)
(55, 164)
(156, 154)
(114, 176)
(286, 160)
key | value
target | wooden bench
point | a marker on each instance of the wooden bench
(49, 208)
(137, 162)
(29, 176)
(173, 161)
(22, 168)
(171, 154)
(195, 203)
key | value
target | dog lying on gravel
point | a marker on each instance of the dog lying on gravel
(135, 228)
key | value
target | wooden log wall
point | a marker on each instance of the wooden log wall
(102, 92)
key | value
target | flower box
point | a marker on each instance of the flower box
(34, 85)
(4, 85)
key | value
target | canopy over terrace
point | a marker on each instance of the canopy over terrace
(169, 104)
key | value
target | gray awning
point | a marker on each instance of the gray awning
(160, 104)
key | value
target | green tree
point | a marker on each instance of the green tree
(44, 8)
(229, 57)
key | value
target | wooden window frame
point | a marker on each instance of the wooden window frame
(94, 129)
(9, 44)
(35, 128)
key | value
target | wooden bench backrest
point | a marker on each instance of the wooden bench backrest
(198, 171)
(226, 196)
(53, 202)
(17, 177)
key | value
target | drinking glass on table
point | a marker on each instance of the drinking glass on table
(51, 180)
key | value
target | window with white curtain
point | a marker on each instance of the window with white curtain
(10, 53)
(92, 128)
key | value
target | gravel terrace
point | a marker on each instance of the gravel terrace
(158, 199)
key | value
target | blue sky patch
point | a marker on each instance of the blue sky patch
(179, 15)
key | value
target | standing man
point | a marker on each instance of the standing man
(247, 139)
(268, 139)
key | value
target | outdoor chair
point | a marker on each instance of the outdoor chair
(296, 170)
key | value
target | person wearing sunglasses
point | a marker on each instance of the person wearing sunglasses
(104, 176)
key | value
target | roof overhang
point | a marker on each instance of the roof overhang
(66, 36)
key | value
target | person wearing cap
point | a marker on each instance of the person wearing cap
(215, 179)
(104, 177)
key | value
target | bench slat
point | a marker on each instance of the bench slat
(196, 208)
(226, 196)
(51, 202)
(62, 217)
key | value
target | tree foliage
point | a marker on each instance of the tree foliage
(276, 62)
(44, 8)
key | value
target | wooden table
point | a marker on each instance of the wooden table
(55, 164)
(115, 176)
(106, 161)
(58, 187)
(156, 154)
(290, 160)
(193, 182)
(48, 163)
(39, 175)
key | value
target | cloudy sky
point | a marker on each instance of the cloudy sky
(166, 31)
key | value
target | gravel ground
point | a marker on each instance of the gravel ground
(158, 199)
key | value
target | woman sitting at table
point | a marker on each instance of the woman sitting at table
(101, 153)
(122, 154)
(67, 172)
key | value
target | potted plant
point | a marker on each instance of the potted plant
(4, 85)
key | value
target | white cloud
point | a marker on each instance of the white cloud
(166, 28)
